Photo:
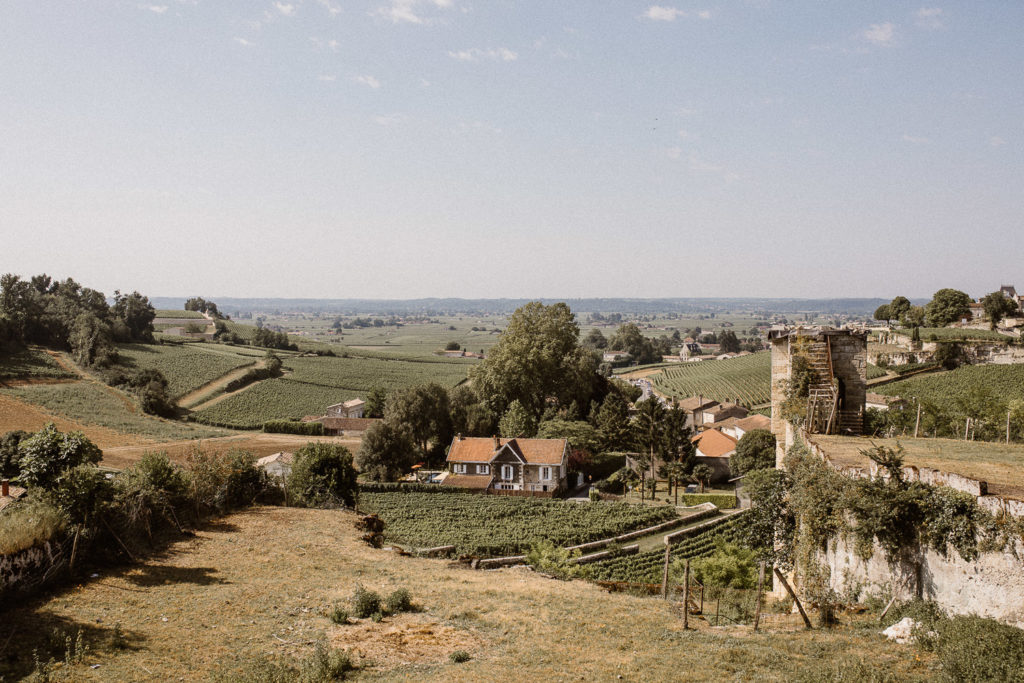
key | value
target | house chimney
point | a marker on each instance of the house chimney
(5, 488)
(497, 442)
(459, 436)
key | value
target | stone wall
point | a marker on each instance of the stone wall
(30, 568)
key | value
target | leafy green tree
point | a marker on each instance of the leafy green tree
(9, 453)
(770, 522)
(452, 346)
(580, 434)
(998, 307)
(137, 314)
(469, 415)
(423, 411)
(538, 357)
(754, 451)
(595, 339)
(703, 473)
(376, 399)
(729, 342)
(629, 338)
(82, 493)
(517, 422)
(730, 566)
(949, 354)
(947, 306)
(899, 307)
(323, 476)
(387, 452)
(613, 425)
(649, 429)
(914, 317)
(882, 313)
(43, 456)
(676, 445)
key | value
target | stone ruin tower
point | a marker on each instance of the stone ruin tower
(837, 362)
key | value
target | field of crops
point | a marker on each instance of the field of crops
(1005, 382)
(178, 314)
(186, 366)
(313, 383)
(957, 334)
(31, 363)
(647, 567)
(874, 372)
(93, 404)
(497, 525)
(745, 377)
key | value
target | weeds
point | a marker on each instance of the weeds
(399, 601)
(459, 656)
(364, 603)
(339, 615)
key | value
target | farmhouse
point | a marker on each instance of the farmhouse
(738, 428)
(353, 408)
(714, 448)
(723, 411)
(695, 407)
(536, 466)
(277, 464)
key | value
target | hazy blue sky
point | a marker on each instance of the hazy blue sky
(561, 148)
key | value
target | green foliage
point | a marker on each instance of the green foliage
(745, 377)
(613, 424)
(293, 427)
(754, 451)
(537, 357)
(9, 455)
(338, 615)
(703, 473)
(545, 556)
(723, 501)
(459, 657)
(82, 493)
(186, 366)
(947, 306)
(398, 600)
(771, 523)
(32, 521)
(43, 456)
(580, 434)
(386, 452)
(943, 334)
(949, 355)
(642, 349)
(517, 422)
(323, 476)
(730, 566)
(324, 665)
(223, 481)
(270, 371)
(31, 363)
(998, 307)
(498, 525)
(422, 413)
(364, 603)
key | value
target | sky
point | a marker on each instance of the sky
(569, 148)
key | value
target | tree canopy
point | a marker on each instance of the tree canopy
(386, 453)
(754, 451)
(323, 475)
(947, 306)
(998, 307)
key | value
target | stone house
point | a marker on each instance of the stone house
(534, 466)
(277, 464)
(352, 408)
(715, 448)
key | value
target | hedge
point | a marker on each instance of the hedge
(292, 427)
(723, 501)
(405, 487)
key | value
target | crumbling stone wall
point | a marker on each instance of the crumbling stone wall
(30, 568)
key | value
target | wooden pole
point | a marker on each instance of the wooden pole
(760, 588)
(718, 610)
(664, 574)
(686, 595)
(792, 594)
(917, 424)
(1007, 426)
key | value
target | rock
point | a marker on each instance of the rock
(902, 631)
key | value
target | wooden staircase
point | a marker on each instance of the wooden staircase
(823, 396)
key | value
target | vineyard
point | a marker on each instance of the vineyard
(497, 525)
(960, 385)
(313, 383)
(186, 366)
(956, 334)
(745, 377)
(874, 372)
(647, 567)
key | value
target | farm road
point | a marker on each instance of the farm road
(197, 399)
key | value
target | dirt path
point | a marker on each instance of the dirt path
(62, 361)
(196, 396)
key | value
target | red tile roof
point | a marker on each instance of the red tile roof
(533, 451)
(714, 444)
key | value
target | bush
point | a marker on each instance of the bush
(219, 482)
(28, 523)
(754, 451)
(459, 656)
(364, 603)
(723, 501)
(293, 427)
(338, 614)
(324, 664)
(44, 455)
(399, 601)
(731, 566)
(323, 475)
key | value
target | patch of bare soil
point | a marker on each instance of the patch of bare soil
(15, 414)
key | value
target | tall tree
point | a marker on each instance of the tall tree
(754, 451)
(517, 422)
(649, 427)
(947, 306)
(423, 411)
(729, 342)
(629, 338)
(998, 307)
(386, 453)
(613, 424)
(137, 314)
(537, 358)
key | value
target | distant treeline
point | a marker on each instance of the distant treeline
(453, 306)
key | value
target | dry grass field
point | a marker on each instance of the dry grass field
(259, 583)
(259, 443)
(1001, 465)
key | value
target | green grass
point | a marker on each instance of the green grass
(186, 366)
(745, 377)
(957, 334)
(171, 313)
(498, 525)
(31, 363)
(92, 404)
(874, 372)
(1005, 382)
(314, 383)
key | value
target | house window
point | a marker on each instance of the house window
(483, 469)
(545, 473)
(506, 472)
(460, 468)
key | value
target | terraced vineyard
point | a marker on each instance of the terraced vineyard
(496, 525)
(313, 383)
(747, 378)
(187, 366)
(647, 567)
(31, 364)
(949, 388)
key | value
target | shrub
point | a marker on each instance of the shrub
(377, 617)
(364, 603)
(29, 522)
(293, 427)
(459, 656)
(399, 601)
(323, 475)
(324, 664)
(48, 452)
(338, 614)
(731, 566)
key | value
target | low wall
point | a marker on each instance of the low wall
(990, 586)
(30, 568)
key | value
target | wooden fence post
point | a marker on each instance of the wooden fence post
(760, 588)
(664, 575)
(917, 423)
(792, 594)
(686, 595)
